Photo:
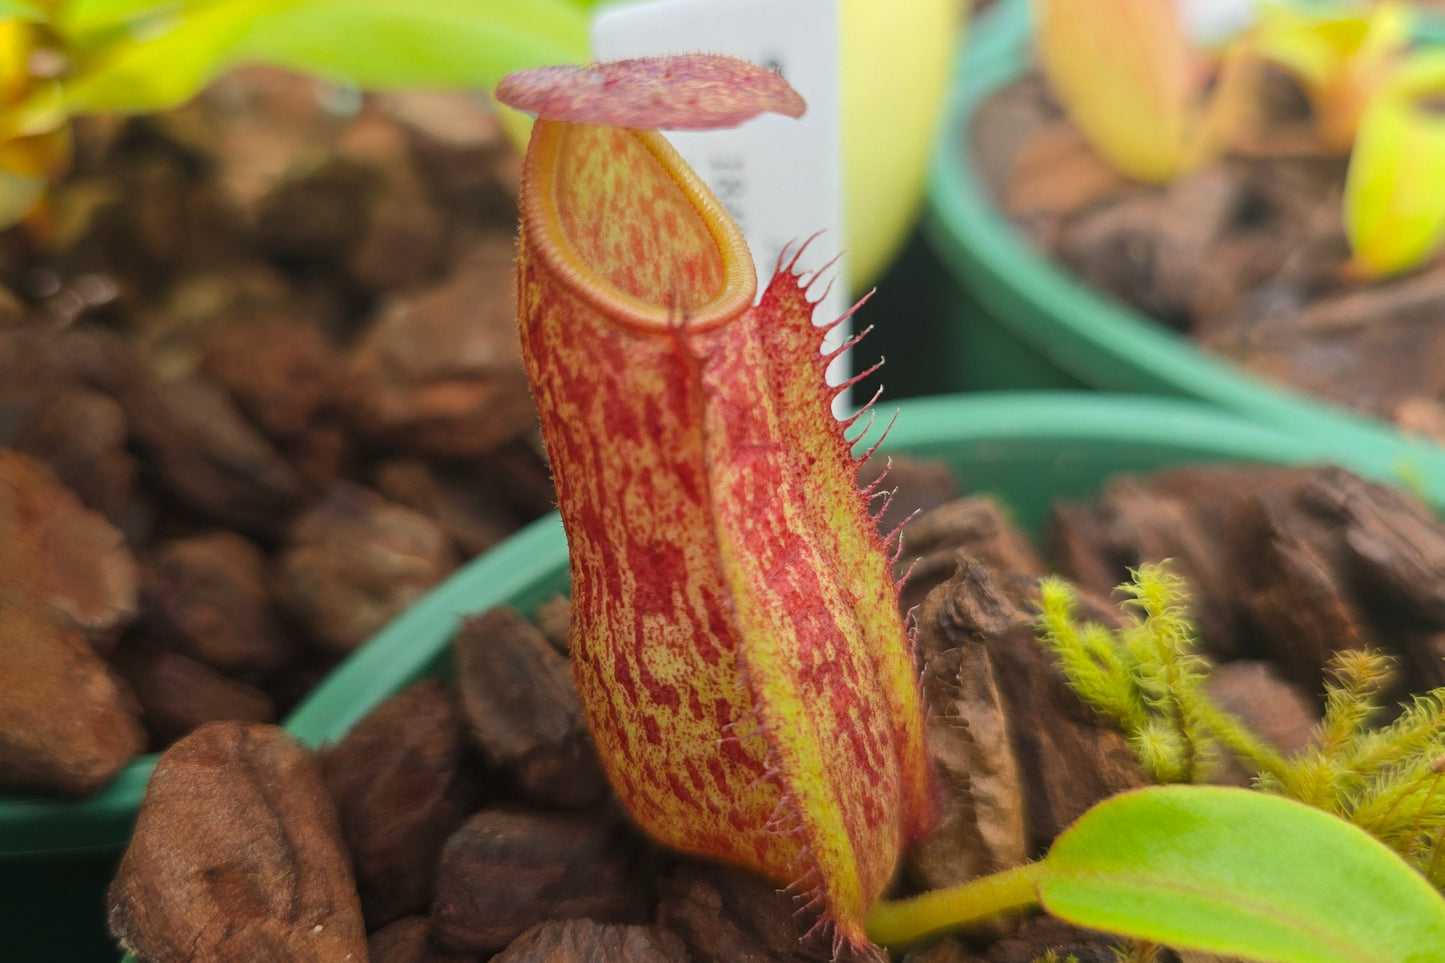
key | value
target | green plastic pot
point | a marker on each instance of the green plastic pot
(1027, 450)
(1052, 323)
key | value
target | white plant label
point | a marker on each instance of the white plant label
(779, 178)
(1211, 21)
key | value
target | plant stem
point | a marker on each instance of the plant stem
(899, 922)
(1236, 737)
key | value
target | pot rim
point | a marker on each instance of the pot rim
(1087, 334)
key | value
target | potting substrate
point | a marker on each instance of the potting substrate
(479, 827)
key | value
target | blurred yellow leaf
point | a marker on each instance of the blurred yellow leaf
(166, 67)
(1130, 81)
(1339, 54)
(34, 136)
(14, 53)
(27, 165)
(1394, 192)
(42, 110)
(19, 194)
(896, 58)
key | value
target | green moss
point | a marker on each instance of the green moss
(1148, 677)
(1053, 957)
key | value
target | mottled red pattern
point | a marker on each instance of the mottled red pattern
(691, 92)
(669, 252)
(842, 525)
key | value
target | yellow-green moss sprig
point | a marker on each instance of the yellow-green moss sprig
(1149, 679)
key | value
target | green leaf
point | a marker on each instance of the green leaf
(42, 110)
(420, 43)
(1241, 873)
(371, 43)
(22, 10)
(81, 16)
(90, 25)
(173, 59)
(1311, 47)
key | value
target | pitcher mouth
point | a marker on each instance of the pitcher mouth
(700, 276)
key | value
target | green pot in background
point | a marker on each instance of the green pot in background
(1054, 325)
(936, 339)
(1026, 450)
